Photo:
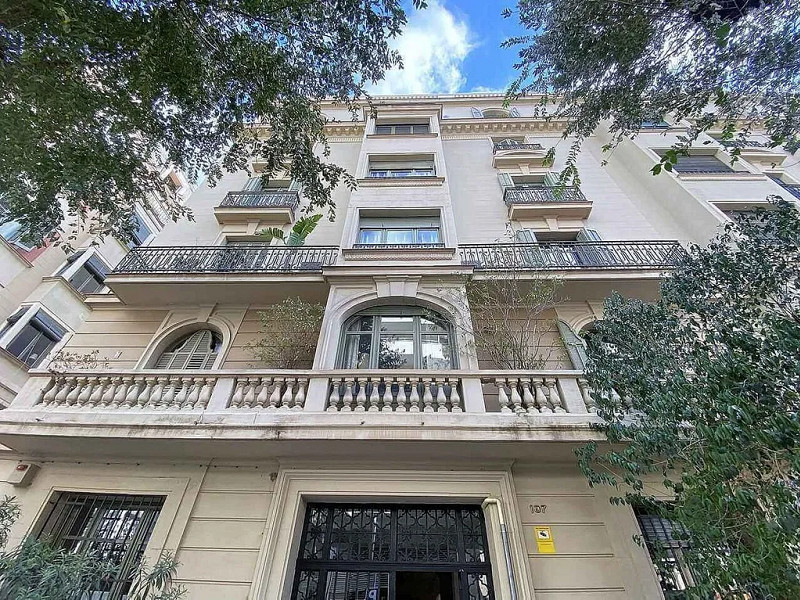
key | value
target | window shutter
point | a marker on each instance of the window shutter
(476, 112)
(576, 349)
(295, 186)
(701, 163)
(253, 184)
(513, 111)
(96, 265)
(505, 181)
(197, 351)
(551, 179)
(525, 236)
(588, 235)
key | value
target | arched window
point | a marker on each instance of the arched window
(397, 338)
(197, 350)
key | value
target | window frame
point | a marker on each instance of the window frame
(184, 336)
(415, 231)
(394, 125)
(16, 324)
(144, 222)
(90, 260)
(395, 168)
(673, 547)
(416, 312)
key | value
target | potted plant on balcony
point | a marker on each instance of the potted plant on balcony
(296, 237)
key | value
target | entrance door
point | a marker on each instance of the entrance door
(393, 552)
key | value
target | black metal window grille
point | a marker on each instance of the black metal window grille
(355, 552)
(113, 527)
(659, 535)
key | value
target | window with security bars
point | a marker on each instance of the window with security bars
(197, 350)
(355, 552)
(665, 543)
(115, 528)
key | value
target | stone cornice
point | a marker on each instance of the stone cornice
(469, 128)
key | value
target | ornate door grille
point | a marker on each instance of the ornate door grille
(348, 551)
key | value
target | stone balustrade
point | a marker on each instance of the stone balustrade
(518, 393)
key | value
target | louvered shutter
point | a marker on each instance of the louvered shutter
(253, 184)
(551, 179)
(476, 112)
(574, 345)
(513, 111)
(588, 235)
(505, 181)
(701, 163)
(295, 186)
(595, 254)
(197, 351)
(525, 236)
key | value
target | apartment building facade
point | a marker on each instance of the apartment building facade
(399, 462)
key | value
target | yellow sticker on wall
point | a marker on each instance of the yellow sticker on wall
(544, 540)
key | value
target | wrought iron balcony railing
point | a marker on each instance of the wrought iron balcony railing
(398, 246)
(249, 258)
(516, 146)
(261, 199)
(556, 256)
(543, 195)
(744, 144)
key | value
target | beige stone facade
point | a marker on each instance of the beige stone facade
(236, 455)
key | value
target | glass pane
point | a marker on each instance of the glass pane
(357, 351)
(477, 586)
(402, 129)
(383, 129)
(427, 236)
(474, 547)
(307, 584)
(369, 236)
(356, 585)
(397, 324)
(316, 529)
(427, 535)
(431, 326)
(399, 236)
(436, 351)
(361, 324)
(85, 281)
(396, 351)
(402, 173)
(30, 346)
(359, 534)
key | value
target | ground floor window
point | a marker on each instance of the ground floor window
(386, 552)
(114, 527)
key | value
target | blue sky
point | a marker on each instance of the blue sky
(454, 46)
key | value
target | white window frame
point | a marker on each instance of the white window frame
(373, 159)
(17, 328)
(67, 269)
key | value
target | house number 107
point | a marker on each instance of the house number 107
(538, 509)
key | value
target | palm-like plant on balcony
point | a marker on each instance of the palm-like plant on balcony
(297, 235)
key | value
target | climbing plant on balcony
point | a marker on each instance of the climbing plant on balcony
(699, 396)
(94, 92)
(727, 64)
(38, 570)
(288, 334)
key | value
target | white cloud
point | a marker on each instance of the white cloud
(433, 45)
(482, 89)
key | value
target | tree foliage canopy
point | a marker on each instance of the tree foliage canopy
(92, 90)
(728, 63)
(708, 383)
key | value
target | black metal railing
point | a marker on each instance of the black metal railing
(516, 146)
(554, 256)
(744, 144)
(543, 195)
(261, 199)
(792, 188)
(397, 246)
(249, 258)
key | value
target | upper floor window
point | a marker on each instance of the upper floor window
(399, 230)
(701, 163)
(398, 167)
(495, 112)
(196, 350)
(656, 124)
(141, 232)
(792, 188)
(11, 230)
(35, 339)
(397, 338)
(402, 128)
(115, 526)
(89, 275)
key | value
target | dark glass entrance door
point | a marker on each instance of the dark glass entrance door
(393, 552)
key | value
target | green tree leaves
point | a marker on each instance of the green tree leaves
(698, 395)
(92, 91)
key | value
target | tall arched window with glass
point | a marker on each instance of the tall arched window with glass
(397, 338)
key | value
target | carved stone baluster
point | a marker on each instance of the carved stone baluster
(147, 389)
(205, 393)
(238, 393)
(86, 392)
(333, 399)
(403, 399)
(541, 399)
(275, 396)
(97, 392)
(194, 393)
(300, 396)
(180, 398)
(502, 396)
(455, 399)
(528, 401)
(132, 397)
(361, 396)
(72, 397)
(287, 400)
(374, 397)
(249, 399)
(120, 392)
(427, 396)
(61, 396)
(441, 398)
(586, 395)
(50, 395)
(555, 396)
(347, 400)
(413, 399)
(110, 391)
(157, 393)
(516, 399)
(169, 392)
(263, 395)
(387, 400)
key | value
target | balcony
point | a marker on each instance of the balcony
(181, 274)
(510, 153)
(154, 410)
(503, 146)
(274, 207)
(571, 256)
(528, 203)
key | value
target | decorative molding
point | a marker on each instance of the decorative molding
(400, 181)
(452, 128)
(394, 136)
(344, 131)
(727, 176)
(423, 254)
